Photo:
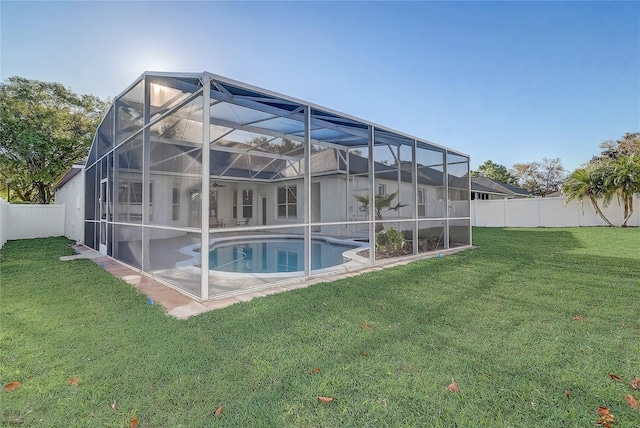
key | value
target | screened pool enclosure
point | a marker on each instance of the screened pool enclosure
(215, 187)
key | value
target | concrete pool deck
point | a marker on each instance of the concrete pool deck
(182, 306)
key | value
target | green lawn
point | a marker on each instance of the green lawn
(498, 319)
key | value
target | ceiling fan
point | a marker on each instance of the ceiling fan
(214, 184)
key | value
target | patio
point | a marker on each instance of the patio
(180, 305)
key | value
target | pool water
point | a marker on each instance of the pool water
(276, 255)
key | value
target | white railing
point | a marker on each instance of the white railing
(30, 221)
(547, 212)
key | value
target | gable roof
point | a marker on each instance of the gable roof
(75, 169)
(475, 187)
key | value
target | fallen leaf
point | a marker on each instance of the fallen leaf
(578, 318)
(603, 411)
(453, 386)
(364, 354)
(635, 383)
(315, 370)
(604, 423)
(114, 406)
(631, 401)
(567, 394)
(384, 403)
(134, 423)
(12, 386)
(73, 381)
(605, 415)
(219, 411)
(92, 414)
(367, 325)
(615, 377)
(326, 399)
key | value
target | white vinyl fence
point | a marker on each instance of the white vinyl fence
(41, 221)
(30, 221)
(547, 212)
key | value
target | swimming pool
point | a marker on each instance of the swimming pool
(275, 255)
(265, 256)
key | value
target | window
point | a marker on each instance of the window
(247, 203)
(235, 204)
(175, 203)
(287, 202)
(382, 189)
(422, 203)
(479, 196)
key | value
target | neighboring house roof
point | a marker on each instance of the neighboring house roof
(508, 189)
(555, 194)
(475, 187)
(75, 169)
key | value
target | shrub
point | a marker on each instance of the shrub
(390, 240)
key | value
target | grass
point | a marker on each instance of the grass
(498, 319)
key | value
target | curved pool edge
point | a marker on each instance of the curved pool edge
(350, 257)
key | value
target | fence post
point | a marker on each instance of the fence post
(506, 212)
(539, 201)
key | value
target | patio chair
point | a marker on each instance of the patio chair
(244, 222)
(215, 222)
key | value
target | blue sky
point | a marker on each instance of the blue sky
(506, 81)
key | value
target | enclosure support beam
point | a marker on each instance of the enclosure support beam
(414, 184)
(397, 157)
(372, 197)
(445, 198)
(348, 187)
(115, 183)
(146, 175)
(307, 191)
(469, 200)
(206, 153)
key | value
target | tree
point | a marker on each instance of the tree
(382, 205)
(588, 182)
(623, 179)
(628, 145)
(614, 173)
(540, 178)
(44, 129)
(496, 172)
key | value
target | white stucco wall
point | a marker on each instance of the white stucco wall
(71, 196)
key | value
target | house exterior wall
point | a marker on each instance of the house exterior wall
(71, 196)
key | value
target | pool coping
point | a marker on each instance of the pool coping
(193, 251)
(182, 306)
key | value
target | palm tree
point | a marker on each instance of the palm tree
(624, 180)
(589, 182)
(382, 205)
